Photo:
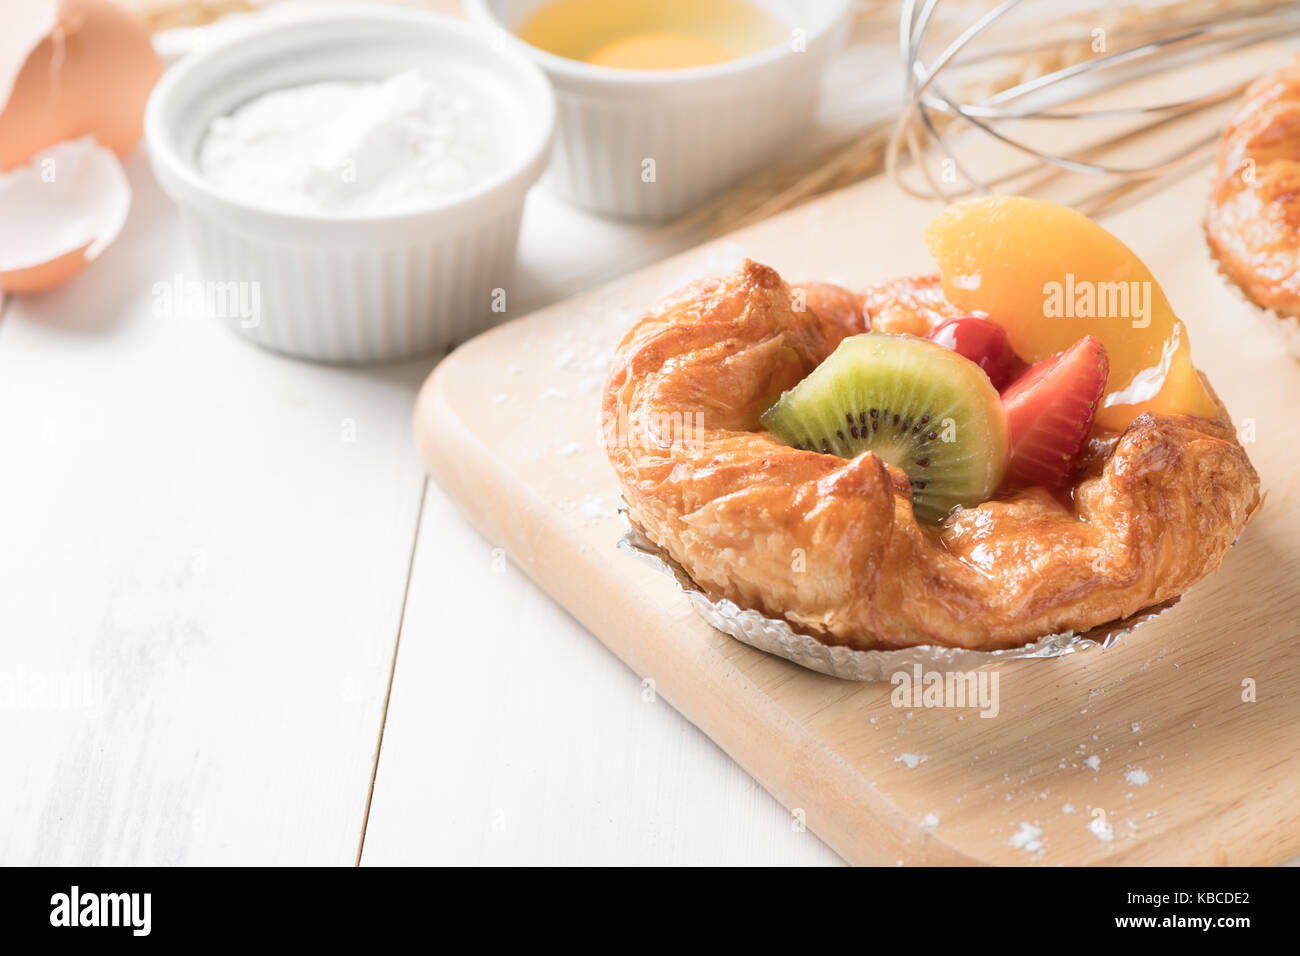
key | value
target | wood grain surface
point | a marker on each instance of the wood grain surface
(205, 552)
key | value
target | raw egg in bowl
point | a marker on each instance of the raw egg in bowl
(663, 104)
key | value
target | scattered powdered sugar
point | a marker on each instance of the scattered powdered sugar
(931, 820)
(579, 351)
(911, 760)
(554, 393)
(1138, 777)
(1068, 808)
(1028, 838)
(1093, 762)
(593, 508)
(1101, 829)
(1135, 726)
(569, 450)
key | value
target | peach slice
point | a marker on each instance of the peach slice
(1049, 276)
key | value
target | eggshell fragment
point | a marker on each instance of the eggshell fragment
(27, 23)
(58, 213)
(90, 74)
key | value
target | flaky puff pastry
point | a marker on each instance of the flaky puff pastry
(831, 544)
(1253, 220)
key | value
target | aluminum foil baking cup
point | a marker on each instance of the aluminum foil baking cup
(776, 636)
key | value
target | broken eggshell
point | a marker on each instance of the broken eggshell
(74, 79)
(58, 213)
(26, 24)
(71, 68)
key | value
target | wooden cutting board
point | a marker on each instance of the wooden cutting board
(1155, 751)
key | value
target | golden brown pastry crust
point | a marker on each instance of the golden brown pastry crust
(1253, 221)
(832, 545)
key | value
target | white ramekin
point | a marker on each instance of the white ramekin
(341, 287)
(703, 128)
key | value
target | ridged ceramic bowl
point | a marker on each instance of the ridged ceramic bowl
(704, 128)
(340, 287)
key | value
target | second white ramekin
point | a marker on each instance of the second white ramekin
(653, 144)
(340, 287)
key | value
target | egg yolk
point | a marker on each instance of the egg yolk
(659, 51)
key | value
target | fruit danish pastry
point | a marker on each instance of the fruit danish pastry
(1253, 220)
(946, 460)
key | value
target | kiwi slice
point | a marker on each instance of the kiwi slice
(919, 406)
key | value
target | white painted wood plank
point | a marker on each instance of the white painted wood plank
(515, 737)
(201, 576)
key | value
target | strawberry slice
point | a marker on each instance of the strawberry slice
(981, 341)
(1050, 411)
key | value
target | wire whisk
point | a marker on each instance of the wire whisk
(939, 108)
